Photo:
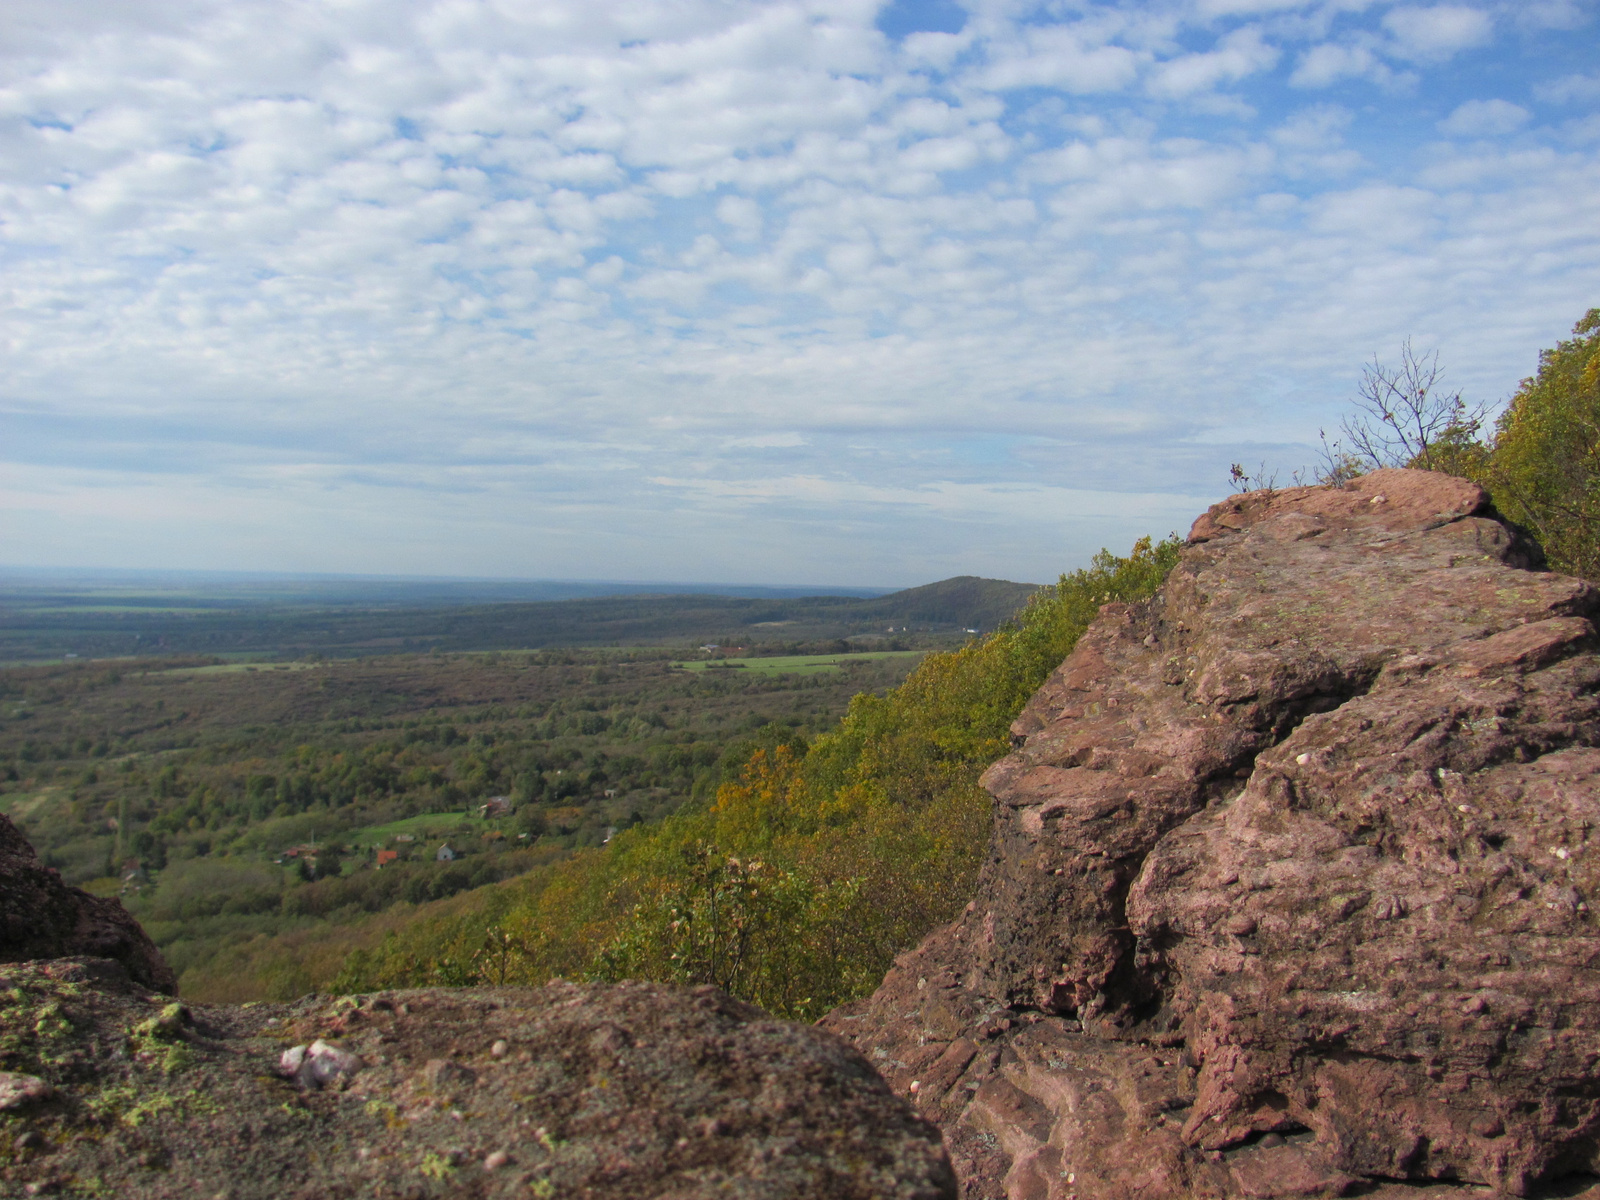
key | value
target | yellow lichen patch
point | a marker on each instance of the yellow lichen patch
(387, 1112)
(436, 1166)
(160, 1040)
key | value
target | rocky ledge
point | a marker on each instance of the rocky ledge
(604, 1093)
(1290, 882)
(42, 917)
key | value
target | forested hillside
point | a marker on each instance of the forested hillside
(796, 883)
(232, 801)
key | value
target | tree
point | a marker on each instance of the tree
(1405, 418)
(1544, 462)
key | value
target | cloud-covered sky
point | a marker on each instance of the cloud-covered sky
(798, 291)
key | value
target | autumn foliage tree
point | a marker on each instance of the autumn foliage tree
(1543, 463)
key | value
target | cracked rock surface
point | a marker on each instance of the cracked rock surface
(602, 1093)
(1290, 882)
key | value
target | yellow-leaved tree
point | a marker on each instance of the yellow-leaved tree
(1544, 461)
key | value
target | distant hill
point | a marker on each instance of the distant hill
(967, 601)
(129, 626)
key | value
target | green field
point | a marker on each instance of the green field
(214, 765)
(424, 827)
(152, 609)
(232, 668)
(795, 664)
(22, 805)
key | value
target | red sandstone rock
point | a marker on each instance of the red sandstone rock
(41, 917)
(1290, 880)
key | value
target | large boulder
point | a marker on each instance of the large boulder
(42, 917)
(1290, 884)
(628, 1092)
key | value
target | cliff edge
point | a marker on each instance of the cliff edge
(1289, 883)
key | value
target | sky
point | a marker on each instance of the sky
(791, 292)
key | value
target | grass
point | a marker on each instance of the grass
(795, 664)
(422, 827)
(19, 806)
(232, 668)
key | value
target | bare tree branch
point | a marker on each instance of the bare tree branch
(1404, 414)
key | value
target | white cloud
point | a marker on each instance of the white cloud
(1231, 8)
(1569, 89)
(1329, 62)
(742, 215)
(462, 280)
(1551, 14)
(1061, 57)
(1241, 53)
(1485, 118)
(1439, 32)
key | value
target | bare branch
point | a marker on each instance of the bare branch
(1243, 481)
(1403, 413)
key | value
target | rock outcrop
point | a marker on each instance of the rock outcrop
(1290, 882)
(608, 1093)
(42, 917)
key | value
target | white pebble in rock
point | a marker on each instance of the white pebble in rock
(443, 1075)
(17, 1089)
(498, 1050)
(318, 1064)
(496, 1160)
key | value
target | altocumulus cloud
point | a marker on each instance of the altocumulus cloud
(793, 291)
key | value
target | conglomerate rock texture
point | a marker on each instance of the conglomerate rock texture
(42, 917)
(601, 1093)
(1290, 881)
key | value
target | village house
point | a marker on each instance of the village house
(445, 854)
(387, 856)
(133, 877)
(494, 806)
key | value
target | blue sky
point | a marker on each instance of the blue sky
(787, 292)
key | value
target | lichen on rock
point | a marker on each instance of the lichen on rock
(605, 1092)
